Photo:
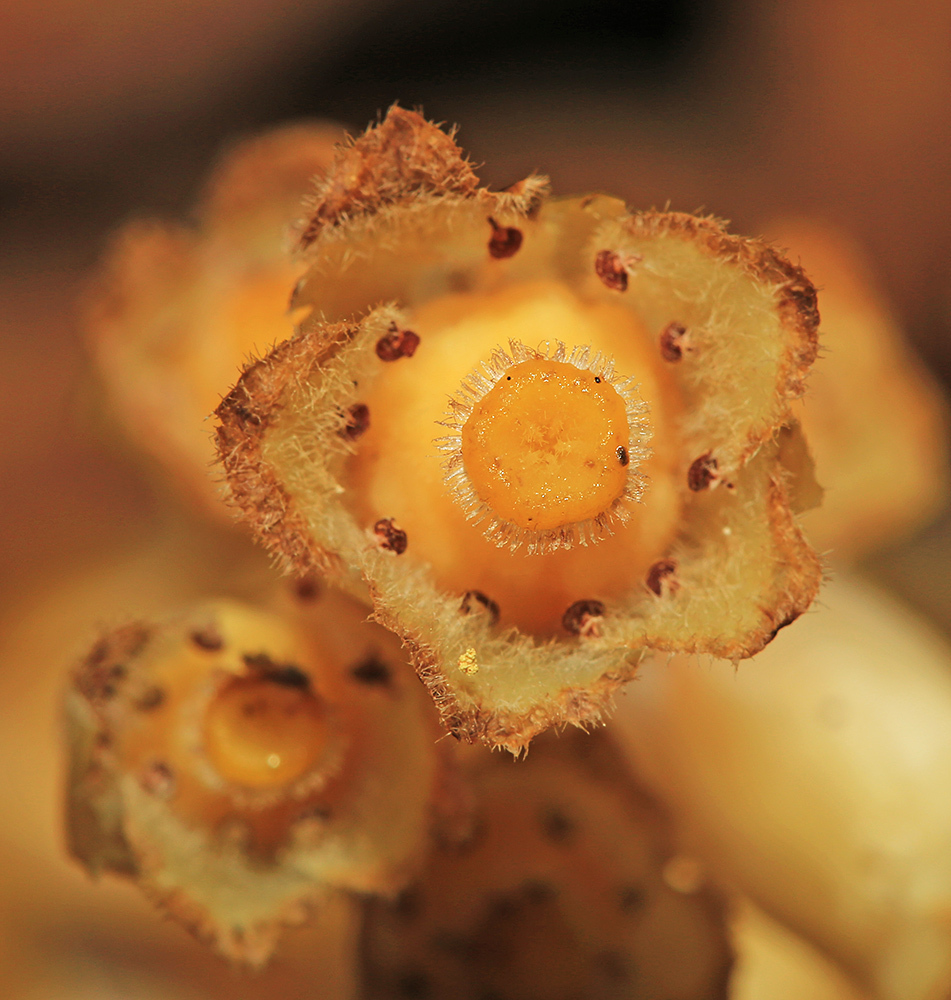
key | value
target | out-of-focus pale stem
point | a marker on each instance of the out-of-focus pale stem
(772, 963)
(815, 779)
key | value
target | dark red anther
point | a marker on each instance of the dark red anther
(474, 601)
(151, 699)
(372, 671)
(583, 618)
(158, 779)
(390, 537)
(357, 421)
(397, 344)
(307, 588)
(673, 341)
(660, 577)
(609, 267)
(208, 639)
(702, 473)
(505, 241)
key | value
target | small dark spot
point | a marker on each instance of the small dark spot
(582, 618)
(673, 341)
(613, 965)
(397, 344)
(597, 378)
(98, 653)
(307, 588)
(208, 639)
(158, 779)
(538, 891)
(458, 281)
(104, 667)
(285, 674)
(622, 455)
(372, 672)
(503, 906)
(508, 378)
(659, 574)
(702, 473)
(457, 945)
(609, 267)
(475, 602)
(505, 241)
(259, 661)
(357, 419)
(463, 842)
(414, 984)
(151, 699)
(390, 537)
(556, 826)
(408, 904)
(631, 899)
(316, 814)
(290, 676)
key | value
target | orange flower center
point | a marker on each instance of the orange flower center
(260, 733)
(548, 445)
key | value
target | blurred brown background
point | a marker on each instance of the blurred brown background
(748, 110)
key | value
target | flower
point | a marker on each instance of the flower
(240, 765)
(543, 435)
(177, 309)
(568, 885)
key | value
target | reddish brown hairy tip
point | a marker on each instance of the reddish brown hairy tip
(389, 163)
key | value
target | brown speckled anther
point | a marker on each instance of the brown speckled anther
(390, 537)
(659, 576)
(357, 421)
(673, 342)
(609, 267)
(397, 344)
(505, 241)
(474, 601)
(702, 473)
(582, 618)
